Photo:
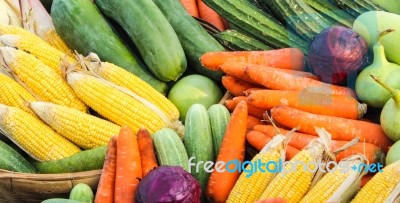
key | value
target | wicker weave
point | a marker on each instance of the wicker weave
(23, 187)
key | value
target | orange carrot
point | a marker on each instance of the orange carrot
(373, 153)
(323, 104)
(129, 169)
(340, 128)
(146, 151)
(251, 90)
(286, 58)
(209, 15)
(191, 7)
(220, 184)
(365, 179)
(253, 121)
(105, 188)
(253, 111)
(278, 80)
(236, 86)
(290, 152)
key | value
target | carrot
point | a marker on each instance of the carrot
(253, 111)
(286, 58)
(236, 86)
(373, 153)
(251, 90)
(365, 179)
(323, 104)
(146, 151)
(290, 152)
(129, 169)
(340, 128)
(191, 7)
(105, 188)
(278, 80)
(220, 184)
(253, 121)
(209, 15)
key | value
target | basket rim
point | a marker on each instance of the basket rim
(4, 174)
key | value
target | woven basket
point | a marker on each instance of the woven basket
(24, 187)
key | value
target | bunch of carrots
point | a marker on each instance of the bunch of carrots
(129, 157)
(275, 82)
(198, 9)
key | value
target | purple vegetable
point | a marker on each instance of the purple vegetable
(337, 52)
(168, 184)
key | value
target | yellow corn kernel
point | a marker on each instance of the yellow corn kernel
(294, 184)
(116, 105)
(123, 78)
(13, 94)
(84, 130)
(33, 136)
(249, 189)
(380, 186)
(55, 40)
(24, 40)
(40, 79)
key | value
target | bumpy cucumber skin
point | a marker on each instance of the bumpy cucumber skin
(60, 200)
(358, 7)
(238, 41)
(198, 142)
(84, 29)
(257, 23)
(152, 34)
(326, 8)
(194, 39)
(219, 118)
(75, 163)
(82, 192)
(11, 160)
(170, 149)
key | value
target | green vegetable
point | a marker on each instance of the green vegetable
(239, 41)
(219, 117)
(194, 39)
(357, 7)
(260, 25)
(390, 115)
(198, 142)
(83, 27)
(60, 200)
(82, 161)
(367, 89)
(170, 149)
(194, 89)
(152, 34)
(370, 24)
(392, 6)
(329, 10)
(82, 192)
(11, 160)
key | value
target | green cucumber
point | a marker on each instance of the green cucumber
(82, 192)
(238, 41)
(82, 161)
(257, 23)
(219, 118)
(299, 16)
(84, 29)
(11, 160)
(358, 7)
(60, 200)
(326, 8)
(152, 34)
(198, 142)
(170, 149)
(194, 39)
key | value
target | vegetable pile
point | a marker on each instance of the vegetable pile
(136, 90)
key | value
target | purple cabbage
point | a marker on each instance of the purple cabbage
(336, 53)
(168, 184)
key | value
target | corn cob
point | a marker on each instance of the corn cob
(22, 39)
(338, 185)
(117, 104)
(13, 94)
(33, 136)
(123, 78)
(293, 182)
(380, 186)
(40, 79)
(84, 130)
(249, 189)
(55, 40)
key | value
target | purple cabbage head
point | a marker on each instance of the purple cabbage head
(336, 53)
(168, 184)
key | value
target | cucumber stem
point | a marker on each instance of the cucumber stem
(394, 92)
